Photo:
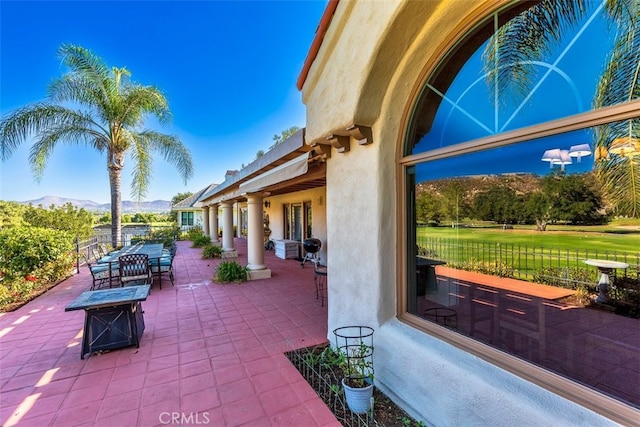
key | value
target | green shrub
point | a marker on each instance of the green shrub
(194, 233)
(31, 260)
(230, 271)
(25, 249)
(495, 268)
(568, 278)
(201, 241)
(211, 251)
(164, 235)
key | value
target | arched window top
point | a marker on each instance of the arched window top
(522, 68)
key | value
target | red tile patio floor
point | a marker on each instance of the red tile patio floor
(210, 354)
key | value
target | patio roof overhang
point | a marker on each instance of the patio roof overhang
(285, 172)
(279, 171)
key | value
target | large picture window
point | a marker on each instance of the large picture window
(522, 175)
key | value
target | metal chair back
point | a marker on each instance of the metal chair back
(135, 270)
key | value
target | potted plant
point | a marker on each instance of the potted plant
(355, 344)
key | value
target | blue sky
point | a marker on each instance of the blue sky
(228, 69)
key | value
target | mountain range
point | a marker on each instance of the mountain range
(155, 206)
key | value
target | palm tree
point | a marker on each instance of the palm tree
(97, 106)
(509, 64)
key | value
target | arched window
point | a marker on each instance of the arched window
(522, 175)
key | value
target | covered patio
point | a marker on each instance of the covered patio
(210, 354)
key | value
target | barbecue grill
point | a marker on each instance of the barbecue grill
(311, 247)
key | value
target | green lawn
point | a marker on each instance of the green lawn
(597, 240)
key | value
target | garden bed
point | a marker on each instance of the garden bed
(326, 379)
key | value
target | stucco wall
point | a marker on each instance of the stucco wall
(433, 380)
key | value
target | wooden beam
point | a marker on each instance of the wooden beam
(342, 143)
(361, 133)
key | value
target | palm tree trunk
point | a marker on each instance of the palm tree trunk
(116, 205)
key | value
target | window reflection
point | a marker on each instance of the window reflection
(500, 240)
(497, 239)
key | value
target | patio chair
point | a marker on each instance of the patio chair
(135, 270)
(95, 253)
(163, 265)
(102, 247)
(171, 250)
(101, 276)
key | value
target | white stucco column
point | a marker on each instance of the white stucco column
(205, 223)
(227, 226)
(255, 238)
(213, 223)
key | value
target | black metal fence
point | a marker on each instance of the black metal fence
(525, 262)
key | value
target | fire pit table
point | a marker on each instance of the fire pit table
(113, 317)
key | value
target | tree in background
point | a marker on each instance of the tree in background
(175, 199)
(454, 201)
(499, 204)
(277, 139)
(429, 208)
(566, 198)
(104, 218)
(78, 222)
(100, 107)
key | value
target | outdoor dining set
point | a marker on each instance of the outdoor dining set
(114, 315)
(132, 265)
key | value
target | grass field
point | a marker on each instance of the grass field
(596, 240)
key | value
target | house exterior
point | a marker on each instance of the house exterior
(279, 197)
(379, 85)
(187, 212)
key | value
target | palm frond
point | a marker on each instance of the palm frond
(620, 177)
(623, 12)
(141, 155)
(79, 132)
(173, 151)
(74, 88)
(620, 80)
(144, 99)
(91, 67)
(528, 37)
(16, 127)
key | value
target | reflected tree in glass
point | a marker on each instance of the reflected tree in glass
(510, 61)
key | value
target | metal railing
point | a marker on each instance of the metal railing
(525, 262)
(84, 248)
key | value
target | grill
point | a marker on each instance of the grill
(311, 247)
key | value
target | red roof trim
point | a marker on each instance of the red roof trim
(317, 41)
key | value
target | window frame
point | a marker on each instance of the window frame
(587, 397)
(189, 217)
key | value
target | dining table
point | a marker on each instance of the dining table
(152, 250)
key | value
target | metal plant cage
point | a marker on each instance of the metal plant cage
(356, 344)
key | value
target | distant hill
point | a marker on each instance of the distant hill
(156, 206)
